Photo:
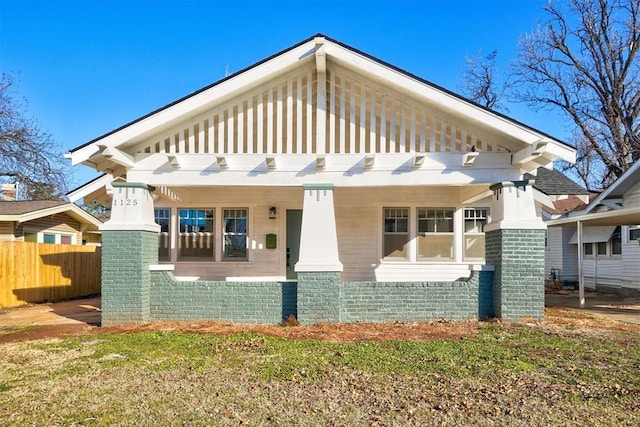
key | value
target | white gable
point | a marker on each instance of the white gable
(318, 98)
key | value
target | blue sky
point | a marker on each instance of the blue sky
(88, 67)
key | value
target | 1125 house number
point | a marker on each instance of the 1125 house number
(125, 202)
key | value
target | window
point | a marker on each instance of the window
(163, 218)
(474, 221)
(30, 237)
(588, 248)
(616, 241)
(235, 234)
(634, 232)
(602, 248)
(196, 234)
(65, 239)
(435, 233)
(396, 232)
(48, 238)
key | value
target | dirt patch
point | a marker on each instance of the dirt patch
(78, 317)
(44, 332)
(351, 332)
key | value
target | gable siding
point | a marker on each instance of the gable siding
(281, 117)
(59, 223)
(7, 231)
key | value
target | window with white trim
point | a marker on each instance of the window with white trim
(235, 228)
(616, 241)
(396, 232)
(196, 234)
(50, 238)
(435, 233)
(163, 219)
(588, 249)
(474, 221)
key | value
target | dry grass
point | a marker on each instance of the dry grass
(567, 370)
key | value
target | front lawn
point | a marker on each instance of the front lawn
(549, 373)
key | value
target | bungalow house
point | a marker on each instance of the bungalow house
(604, 238)
(325, 183)
(47, 221)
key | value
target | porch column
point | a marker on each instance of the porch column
(514, 243)
(318, 265)
(129, 246)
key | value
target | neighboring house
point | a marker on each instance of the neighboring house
(323, 163)
(47, 221)
(557, 195)
(610, 238)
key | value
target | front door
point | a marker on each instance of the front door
(294, 225)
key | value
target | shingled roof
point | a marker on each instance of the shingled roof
(29, 210)
(26, 206)
(553, 182)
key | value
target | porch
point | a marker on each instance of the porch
(383, 234)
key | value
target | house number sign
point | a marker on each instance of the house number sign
(125, 202)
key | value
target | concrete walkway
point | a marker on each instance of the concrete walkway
(612, 306)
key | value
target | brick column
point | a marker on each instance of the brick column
(514, 243)
(319, 265)
(129, 246)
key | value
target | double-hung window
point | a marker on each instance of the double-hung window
(435, 233)
(196, 235)
(396, 232)
(235, 234)
(474, 221)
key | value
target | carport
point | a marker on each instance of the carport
(615, 217)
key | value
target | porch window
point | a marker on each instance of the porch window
(235, 234)
(474, 221)
(435, 233)
(48, 238)
(396, 232)
(195, 238)
(163, 219)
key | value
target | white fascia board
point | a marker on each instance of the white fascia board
(200, 101)
(542, 198)
(630, 216)
(379, 72)
(90, 187)
(342, 170)
(598, 200)
(71, 209)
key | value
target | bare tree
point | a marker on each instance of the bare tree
(28, 155)
(482, 83)
(583, 62)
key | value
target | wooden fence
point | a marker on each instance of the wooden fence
(39, 272)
